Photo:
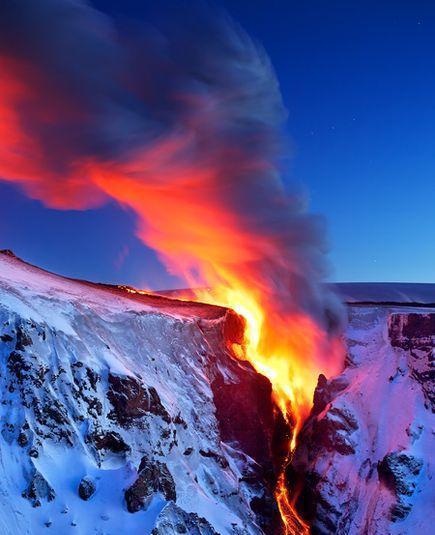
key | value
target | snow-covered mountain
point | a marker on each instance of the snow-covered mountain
(126, 413)
(386, 292)
(366, 456)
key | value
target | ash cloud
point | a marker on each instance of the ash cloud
(179, 121)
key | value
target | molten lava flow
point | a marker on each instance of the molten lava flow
(292, 522)
(286, 350)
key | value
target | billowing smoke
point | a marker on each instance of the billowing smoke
(180, 122)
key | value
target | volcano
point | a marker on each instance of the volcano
(127, 412)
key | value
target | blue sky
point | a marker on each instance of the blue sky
(358, 79)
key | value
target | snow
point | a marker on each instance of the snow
(107, 330)
(387, 402)
(162, 342)
(386, 292)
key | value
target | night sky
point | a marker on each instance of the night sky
(358, 80)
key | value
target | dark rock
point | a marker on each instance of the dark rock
(266, 511)
(326, 391)
(165, 433)
(8, 252)
(93, 377)
(110, 441)
(19, 365)
(179, 421)
(6, 338)
(399, 471)
(86, 488)
(321, 395)
(234, 328)
(415, 333)
(188, 451)
(34, 453)
(23, 439)
(404, 328)
(245, 413)
(52, 418)
(173, 519)
(131, 400)
(223, 463)
(333, 431)
(400, 511)
(421, 362)
(38, 489)
(55, 412)
(24, 436)
(153, 477)
(23, 338)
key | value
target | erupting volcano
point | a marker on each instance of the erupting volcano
(180, 123)
(194, 158)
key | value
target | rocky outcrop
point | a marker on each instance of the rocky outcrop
(415, 334)
(38, 490)
(243, 421)
(132, 400)
(399, 473)
(86, 488)
(365, 458)
(174, 521)
(108, 441)
(153, 477)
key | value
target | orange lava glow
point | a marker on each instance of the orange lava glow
(286, 350)
(293, 524)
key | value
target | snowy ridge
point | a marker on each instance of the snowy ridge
(114, 416)
(387, 292)
(399, 293)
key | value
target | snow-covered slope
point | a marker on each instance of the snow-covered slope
(386, 292)
(125, 413)
(128, 413)
(366, 456)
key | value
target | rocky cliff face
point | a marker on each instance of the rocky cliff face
(127, 413)
(365, 457)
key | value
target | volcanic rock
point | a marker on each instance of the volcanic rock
(174, 521)
(109, 441)
(87, 488)
(399, 472)
(153, 477)
(131, 400)
(38, 489)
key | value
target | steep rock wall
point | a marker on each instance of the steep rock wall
(365, 457)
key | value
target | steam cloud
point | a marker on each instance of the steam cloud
(180, 123)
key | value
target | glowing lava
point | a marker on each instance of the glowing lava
(287, 350)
